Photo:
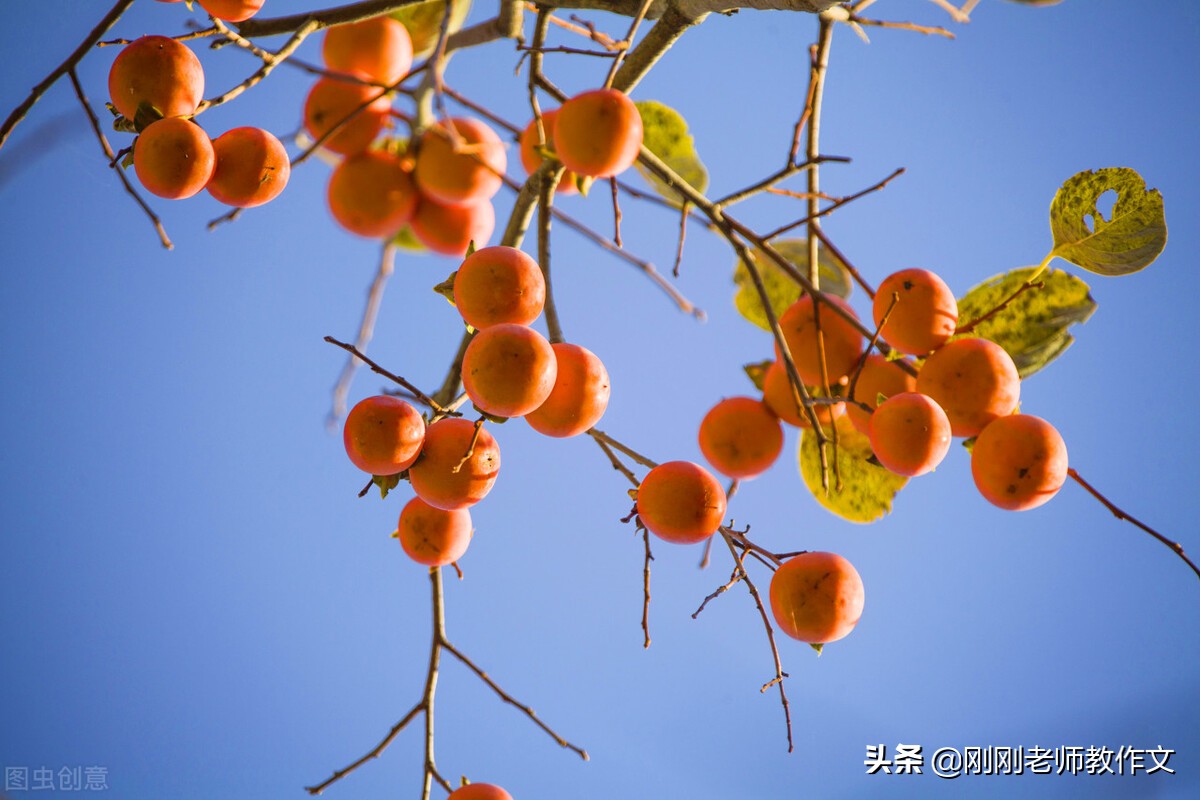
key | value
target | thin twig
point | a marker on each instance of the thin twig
(270, 62)
(375, 753)
(646, 589)
(366, 329)
(421, 396)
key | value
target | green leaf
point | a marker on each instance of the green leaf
(1128, 242)
(666, 135)
(407, 240)
(782, 291)
(145, 115)
(867, 490)
(446, 288)
(757, 372)
(1034, 327)
(386, 483)
(424, 22)
(819, 646)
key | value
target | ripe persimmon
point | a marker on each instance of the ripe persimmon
(598, 133)
(777, 394)
(925, 316)
(378, 49)
(681, 502)
(479, 791)
(157, 71)
(372, 194)
(816, 597)
(878, 377)
(741, 437)
(1019, 462)
(843, 344)
(974, 380)
(433, 536)
(252, 168)
(579, 397)
(531, 159)
(364, 109)
(450, 229)
(508, 370)
(383, 435)
(910, 434)
(499, 284)
(460, 162)
(232, 10)
(173, 158)
(447, 443)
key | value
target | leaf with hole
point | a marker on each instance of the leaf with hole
(1128, 242)
(665, 133)
(782, 291)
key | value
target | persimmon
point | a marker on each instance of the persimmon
(157, 71)
(777, 394)
(681, 502)
(843, 344)
(816, 597)
(479, 791)
(741, 437)
(232, 10)
(460, 162)
(579, 397)
(910, 434)
(252, 167)
(598, 133)
(499, 284)
(364, 109)
(450, 229)
(173, 158)
(1019, 462)
(925, 316)
(531, 159)
(878, 377)
(433, 536)
(508, 370)
(378, 49)
(447, 444)
(372, 194)
(974, 380)
(383, 435)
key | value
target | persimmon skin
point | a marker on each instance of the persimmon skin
(497, 285)
(741, 437)
(252, 168)
(681, 502)
(579, 397)
(973, 380)
(924, 318)
(433, 536)
(330, 100)
(232, 10)
(910, 434)
(508, 370)
(479, 791)
(531, 159)
(159, 71)
(465, 176)
(450, 229)
(817, 597)
(878, 377)
(378, 49)
(372, 194)
(383, 435)
(777, 394)
(598, 133)
(446, 443)
(1019, 462)
(843, 342)
(173, 158)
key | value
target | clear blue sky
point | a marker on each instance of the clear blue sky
(192, 597)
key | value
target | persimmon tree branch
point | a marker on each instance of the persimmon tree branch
(366, 329)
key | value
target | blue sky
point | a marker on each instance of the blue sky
(193, 598)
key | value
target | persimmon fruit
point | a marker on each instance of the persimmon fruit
(232, 10)
(816, 597)
(681, 502)
(157, 71)
(252, 168)
(777, 394)
(433, 536)
(383, 435)
(449, 230)
(598, 133)
(741, 437)
(974, 380)
(925, 316)
(508, 370)
(460, 162)
(531, 159)
(878, 377)
(579, 397)
(496, 285)
(910, 434)
(378, 49)
(331, 100)
(843, 343)
(372, 194)
(447, 443)
(173, 158)
(1019, 462)
(479, 791)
